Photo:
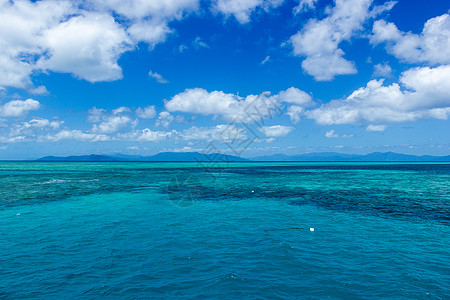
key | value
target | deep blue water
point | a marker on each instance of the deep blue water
(228, 231)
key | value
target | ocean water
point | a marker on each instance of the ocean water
(224, 230)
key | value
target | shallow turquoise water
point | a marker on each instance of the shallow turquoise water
(238, 230)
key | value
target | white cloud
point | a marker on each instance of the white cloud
(252, 108)
(157, 77)
(40, 123)
(305, 5)
(112, 124)
(422, 93)
(319, 41)
(325, 68)
(39, 90)
(382, 70)
(27, 131)
(120, 110)
(18, 108)
(146, 135)
(219, 132)
(150, 32)
(153, 136)
(165, 119)
(242, 9)
(21, 27)
(74, 135)
(148, 112)
(96, 115)
(333, 135)
(86, 46)
(265, 60)
(141, 9)
(378, 128)
(379, 9)
(15, 139)
(198, 43)
(295, 112)
(275, 131)
(148, 19)
(294, 96)
(431, 46)
(200, 101)
(83, 40)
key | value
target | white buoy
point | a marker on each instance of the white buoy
(18, 214)
(253, 191)
(311, 229)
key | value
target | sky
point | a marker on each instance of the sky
(240, 77)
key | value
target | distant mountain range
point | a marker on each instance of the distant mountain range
(332, 156)
(163, 156)
(195, 156)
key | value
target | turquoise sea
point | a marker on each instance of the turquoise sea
(224, 230)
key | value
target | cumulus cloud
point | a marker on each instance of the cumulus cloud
(377, 128)
(157, 77)
(319, 40)
(294, 96)
(165, 119)
(431, 46)
(41, 123)
(231, 107)
(87, 46)
(22, 24)
(382, 70)
(148, 112)
(76, 135)
(242, 9)
(31, 130)
(18, 108)
(275, 131)
(295, 112)
(110, 122)
(421, 93)
(83, 40)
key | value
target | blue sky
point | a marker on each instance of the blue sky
(247, 77)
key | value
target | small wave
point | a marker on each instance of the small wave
(51, 181)
(54, 181)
